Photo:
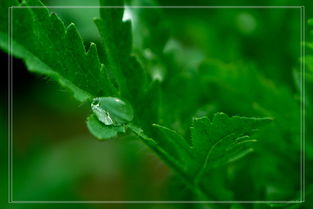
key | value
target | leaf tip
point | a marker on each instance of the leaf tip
(92, 50)
(71, 26)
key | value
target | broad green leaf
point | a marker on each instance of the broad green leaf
(102, 131)
(222, 140)
(50, 48)
(214, 143)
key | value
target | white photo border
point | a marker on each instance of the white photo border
(302, 108)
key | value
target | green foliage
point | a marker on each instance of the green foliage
(51, 49)
(222, 140)
(116, 37)
(140, 77)
(101, 131)
(214, 143)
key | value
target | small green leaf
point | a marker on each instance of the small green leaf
(224, 139)
(102, 131)
(174, 144)
(112, 111)
(214, 143)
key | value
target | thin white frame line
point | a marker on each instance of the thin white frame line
(165, 7)
(302, 103)
(301, 93)
(302, 106)
(155, 201)
(10, 107)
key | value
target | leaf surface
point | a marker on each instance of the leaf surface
(102, 131)
(124, 69)
(50, 48)
(214, 143)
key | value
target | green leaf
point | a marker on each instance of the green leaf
(214, 143)
(102, 131)
(50, 48)
(222, 140)
(125, 71)
(174, 144)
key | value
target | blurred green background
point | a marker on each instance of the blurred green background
(240, 61)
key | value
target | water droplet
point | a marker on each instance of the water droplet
(112, 111)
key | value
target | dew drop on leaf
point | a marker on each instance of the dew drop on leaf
(112, 111)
